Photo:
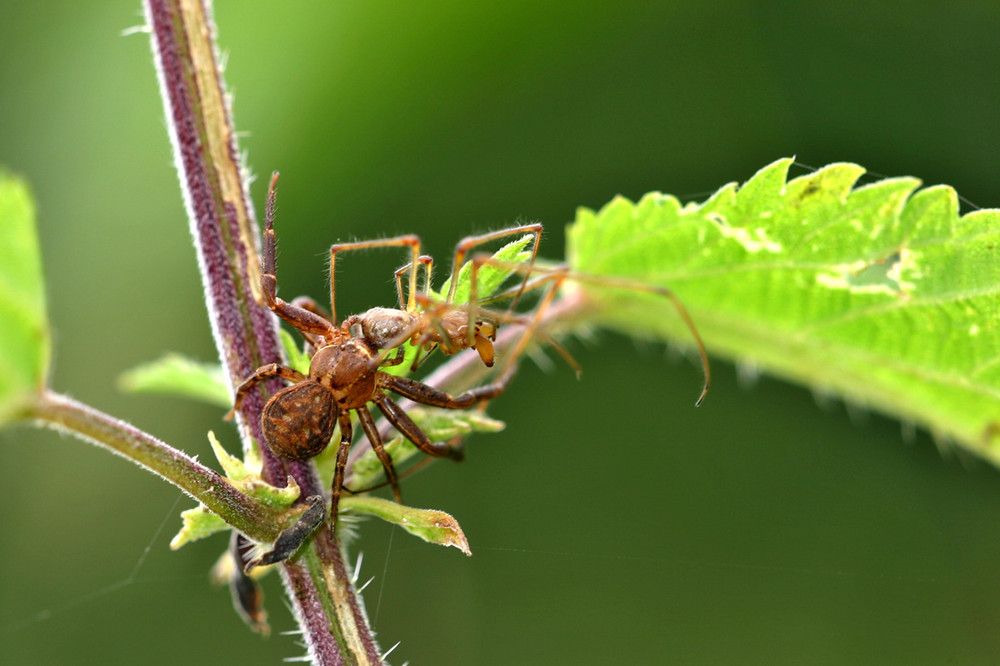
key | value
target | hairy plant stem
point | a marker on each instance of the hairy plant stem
(248, 515)
(330, 615)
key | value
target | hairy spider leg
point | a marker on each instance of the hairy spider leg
(428, 264)
(313, 341)
(260, 374)
(469, 243)
(411, 241)
(307, 303)
(302, 319)
(423, 345)
(557, 276)
(344, 448)
(375, 439)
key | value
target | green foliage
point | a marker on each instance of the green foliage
(201, 522)
(440, 425)
(432, 526)
(879, 294)
(24, 328)
(298, 359)
(177, 375)
(197, 523)
(489, 278)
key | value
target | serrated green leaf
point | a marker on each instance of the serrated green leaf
(877, 294)
(198, 523)
(178, 375)
(432, 526)
(24, 327)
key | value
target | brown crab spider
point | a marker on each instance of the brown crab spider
(344, 376)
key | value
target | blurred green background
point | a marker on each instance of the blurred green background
(611, 522)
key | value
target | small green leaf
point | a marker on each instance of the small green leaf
(297, 358)
(24, 328)
(432, 526)
(883, 296)
(251, 482)
(440, 425)
(198, 523)
(233, 467)
(490, 278)
(177, 375)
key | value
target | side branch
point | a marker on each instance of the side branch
(202, 483)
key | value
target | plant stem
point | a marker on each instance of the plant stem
(60, 412)
(333, 623)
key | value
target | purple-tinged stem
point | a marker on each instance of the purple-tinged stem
(334, 627)
(202, 483)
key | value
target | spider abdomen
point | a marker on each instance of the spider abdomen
(385, 328)
(298, 421)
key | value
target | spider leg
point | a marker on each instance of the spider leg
(555, 278)
(413, 242)
(306, 303)
(262, 373)
(368, 425)
(470, 242)
(428, 395)
(558, 277)
(435, 314)
(346, 433)
(467, 244)
(395, 360)
(427, 263)
(301, 318)
(405, 425)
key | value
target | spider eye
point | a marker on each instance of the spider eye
(298, 421)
